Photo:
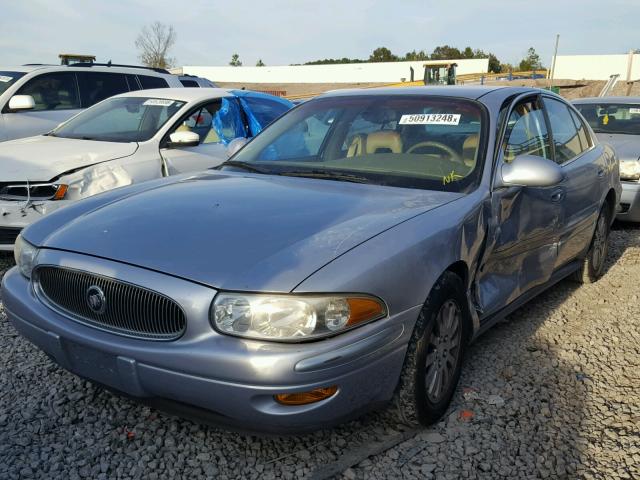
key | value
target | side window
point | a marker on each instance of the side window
(189, 83)
(526, 132)
(585, 140)
(148, 82)
(53, 91)
(132, 82)
(215, 122)
(96, 86)
(566, 139)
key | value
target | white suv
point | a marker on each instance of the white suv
(34, 99)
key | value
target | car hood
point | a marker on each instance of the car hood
(627, 146)
(43, 158)
(234, 231)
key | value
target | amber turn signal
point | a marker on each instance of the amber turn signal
(304, 398)
(363, 309)
(60, 192)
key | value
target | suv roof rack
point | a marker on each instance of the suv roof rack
(93, 64)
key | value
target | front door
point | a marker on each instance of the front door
(217, 123)
(521, 248)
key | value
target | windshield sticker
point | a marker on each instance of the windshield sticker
(157, 102)
(632, 110)
(5, 79)
(451, 177)
(431, 119)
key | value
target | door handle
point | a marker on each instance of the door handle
(557, 195)
(601, 172)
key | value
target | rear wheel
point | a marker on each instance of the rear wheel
(434, 356)
(593, 264)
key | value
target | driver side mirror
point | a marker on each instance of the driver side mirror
(21, 102)
(530, 171)
(183, 139)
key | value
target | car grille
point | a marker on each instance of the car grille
(127, 309)
(8, 235)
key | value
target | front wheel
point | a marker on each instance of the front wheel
(434, 356)
(593, 264)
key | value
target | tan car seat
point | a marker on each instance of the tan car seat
(184, 128)
(384, 140)
(357, 145)
(212, 137)
(470, 150)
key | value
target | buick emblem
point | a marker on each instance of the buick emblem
(96, 300)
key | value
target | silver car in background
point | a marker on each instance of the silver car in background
(348, 253)
(616, 121)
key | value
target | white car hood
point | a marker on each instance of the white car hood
(43, 158)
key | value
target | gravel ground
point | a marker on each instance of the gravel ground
(553, 392)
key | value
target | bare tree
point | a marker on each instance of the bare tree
(154, 42)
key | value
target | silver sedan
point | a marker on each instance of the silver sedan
(346, 255)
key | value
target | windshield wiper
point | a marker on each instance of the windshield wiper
(343, 177)
(242, 165)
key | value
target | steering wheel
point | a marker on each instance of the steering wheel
(440, 146)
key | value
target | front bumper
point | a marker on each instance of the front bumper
(14, 216)
(230, 380)
(629, 202)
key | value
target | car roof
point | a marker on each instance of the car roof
(461, 91)
(180, 94)
(601, 100)
(83, 68)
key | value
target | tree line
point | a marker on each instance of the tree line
(155, 41)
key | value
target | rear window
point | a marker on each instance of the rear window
(189, 83)
(148, 82)
(612, 117)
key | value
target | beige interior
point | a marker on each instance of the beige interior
(384, 140)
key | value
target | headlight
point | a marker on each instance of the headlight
(630, 169)
(292, 317)
(25, 255)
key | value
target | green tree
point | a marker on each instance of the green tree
(235, 60)
(414, 56)
(260, 63)
(494, 64)
(445, 52)
(531, 61)
(382, 54)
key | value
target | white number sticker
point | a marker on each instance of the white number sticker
(5, 79)
(158, 102)
(431, 119)
(633, 110)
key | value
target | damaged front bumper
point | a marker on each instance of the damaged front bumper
(15, 215)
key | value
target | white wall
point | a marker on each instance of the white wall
(595, 67)
(344, 73)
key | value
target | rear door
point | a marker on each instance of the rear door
(585, 168)
(56, 100)
(217, 123)
(521, 248)
(96, 86)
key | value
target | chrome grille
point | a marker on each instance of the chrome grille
(129, 310)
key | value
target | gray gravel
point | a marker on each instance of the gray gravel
(554, 392)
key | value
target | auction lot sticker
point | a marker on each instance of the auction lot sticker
(5, 79)
(431, 119)
(632, 110)
(157, 102)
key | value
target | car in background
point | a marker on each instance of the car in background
(122, 140)
(347, 254)
(36, 98)
(616, 121)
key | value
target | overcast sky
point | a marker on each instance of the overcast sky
(294, 31)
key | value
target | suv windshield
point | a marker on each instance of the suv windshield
(400, 140)
(121, 119)
(7, 79)
(611, 117)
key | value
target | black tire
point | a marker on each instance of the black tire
(416, 401)
(592, 266)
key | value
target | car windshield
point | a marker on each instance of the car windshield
(399, 140)
(612, 117)
(120, 119)
(7, 79)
